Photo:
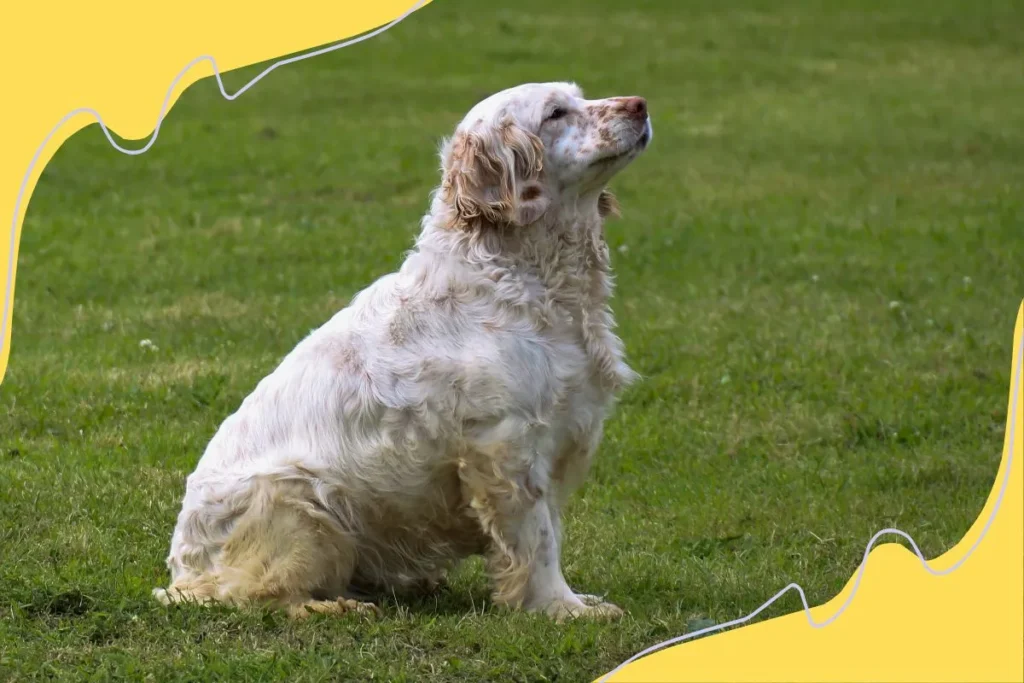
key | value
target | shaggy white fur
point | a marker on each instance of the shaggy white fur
(453, 406)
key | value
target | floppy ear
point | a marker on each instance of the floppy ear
(608, 205)
(491, 176)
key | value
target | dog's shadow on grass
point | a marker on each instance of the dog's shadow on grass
(445, 600)
(204, 620)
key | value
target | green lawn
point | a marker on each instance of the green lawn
(819, 266)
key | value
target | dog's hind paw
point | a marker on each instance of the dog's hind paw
(335, 607)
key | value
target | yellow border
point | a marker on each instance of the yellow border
(959, 617)
(905, 624)
(63, 69)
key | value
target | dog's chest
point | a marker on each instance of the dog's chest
(578, 300)
(588, 340)
(579, 352)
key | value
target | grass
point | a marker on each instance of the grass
(819, 266)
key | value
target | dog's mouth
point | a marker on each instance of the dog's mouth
(638, 146)
(647, 135)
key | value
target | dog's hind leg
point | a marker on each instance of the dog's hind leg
(285, 550)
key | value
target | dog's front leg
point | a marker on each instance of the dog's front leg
(546, 588)
(516, 509)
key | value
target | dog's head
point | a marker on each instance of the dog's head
(528, 150)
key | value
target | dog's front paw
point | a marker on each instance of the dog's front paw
(592, 600)
(585, 607)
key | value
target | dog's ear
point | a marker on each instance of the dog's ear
(490, 176)
(608, 205)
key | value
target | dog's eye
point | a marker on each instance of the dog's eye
(558, 113)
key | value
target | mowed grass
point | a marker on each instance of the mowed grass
(819, 265)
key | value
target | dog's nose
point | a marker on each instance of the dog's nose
(636, 107)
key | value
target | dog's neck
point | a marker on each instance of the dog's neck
(562, 249)
(557, 269)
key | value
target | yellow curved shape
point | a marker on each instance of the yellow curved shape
(961, 621)
(119, 61)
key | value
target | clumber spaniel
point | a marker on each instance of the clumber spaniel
(453, 406)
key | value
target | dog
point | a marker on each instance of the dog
(453, 406)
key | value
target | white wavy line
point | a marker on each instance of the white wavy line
(156, 131)
(867, 550)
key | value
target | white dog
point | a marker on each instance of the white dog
(453, 406)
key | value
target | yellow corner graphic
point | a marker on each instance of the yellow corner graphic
(959, 617)
(114, 66)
